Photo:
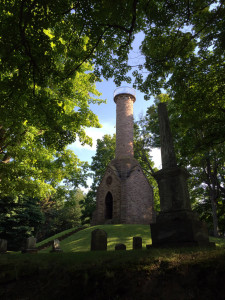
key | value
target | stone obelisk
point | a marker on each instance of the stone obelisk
(176, 224)
(124, 194)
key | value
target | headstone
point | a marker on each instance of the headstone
(98, 240)
(30, 245)
(176, 224)
(120, 247)
(56, 246)
(137, 243)
(148, 247)
(3, 246)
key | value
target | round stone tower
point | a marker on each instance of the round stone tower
(124, 195)
(124, 98)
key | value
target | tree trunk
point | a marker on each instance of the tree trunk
(211, 181)
(214, 214)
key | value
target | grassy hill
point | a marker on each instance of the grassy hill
(77, 273)
(121, 233)
(81, 241)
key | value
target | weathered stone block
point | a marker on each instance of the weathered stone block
(137, 242)
(3, 246)
(173, 189)
(179, 228)
(56, 246)
(120, 247)
(98, 240)
(30, 245)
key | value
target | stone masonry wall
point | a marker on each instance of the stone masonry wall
(139, 199)
(114, 187)
(124, 125)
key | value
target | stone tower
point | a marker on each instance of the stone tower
(124, 195)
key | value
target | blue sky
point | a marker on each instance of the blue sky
(107, 112)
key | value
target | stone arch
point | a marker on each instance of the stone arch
(108, 206)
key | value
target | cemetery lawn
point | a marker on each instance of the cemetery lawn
(81, 240)
(185, 273)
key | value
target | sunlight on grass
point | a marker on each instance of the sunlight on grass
(220, 242)
(120, 233)
(56, 236)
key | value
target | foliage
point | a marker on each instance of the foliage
(20, 217)
(142, 148)
(184, 55)
(88, 205)
(56, 236)
(205, 165)
(62, 211)
(44, 105)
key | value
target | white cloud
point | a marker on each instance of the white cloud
(95, 134)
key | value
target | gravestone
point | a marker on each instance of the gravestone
(56, 246)
(98, 240)
(176, 224)
(137, 243)
(3, 246)
(120, 247)
(30, 245)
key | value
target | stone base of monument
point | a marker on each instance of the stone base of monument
(179, 228)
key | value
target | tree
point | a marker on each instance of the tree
(42, 109)
(20, 217)
(61, 211)
(142, 148)
(184, 54)
(205, 164)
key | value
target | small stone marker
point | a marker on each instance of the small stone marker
(3, 246)
(30, 245)
(148, 247)
(137, 242)
(98, 240)
(120, 247)
(56, 246)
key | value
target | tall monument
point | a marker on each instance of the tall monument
(124, 195)
(176, 224)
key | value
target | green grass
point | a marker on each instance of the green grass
(56, 236)
(80, 273)
(121, 233)
(81, 241)
(220, 242)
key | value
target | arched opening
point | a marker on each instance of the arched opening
(108, 206)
